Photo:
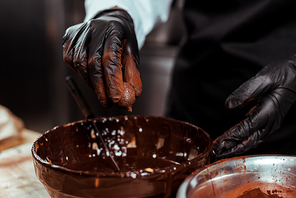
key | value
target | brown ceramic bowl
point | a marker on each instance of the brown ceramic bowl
(155, 155)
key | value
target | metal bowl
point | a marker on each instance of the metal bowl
(65, 158)
(231, 177)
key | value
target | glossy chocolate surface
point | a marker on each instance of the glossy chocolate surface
(154, 154)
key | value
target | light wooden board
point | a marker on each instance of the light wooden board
(17, 175)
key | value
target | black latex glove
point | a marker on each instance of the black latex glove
(274, 87)
(104, 52)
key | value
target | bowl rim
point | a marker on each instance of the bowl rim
(171, 168)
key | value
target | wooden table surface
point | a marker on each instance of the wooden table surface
(18, 179)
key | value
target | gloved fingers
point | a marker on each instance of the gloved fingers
(240, 148)
(80, 59)
(71, 34)
(94, 62)
(130, 62)
(95, 51)
(68, 50)
(234, 136)
(240, 132)
(272, 109)
(69, 40)
(74, 50)
(97, 79)
(130, 54)
(274, 88)
(111, 61)
(260, 121)
(250, 90)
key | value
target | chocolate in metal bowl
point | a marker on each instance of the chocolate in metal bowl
(154, 154)
(247, 176)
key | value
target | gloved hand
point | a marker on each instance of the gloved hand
(104, 52)
(274, 87)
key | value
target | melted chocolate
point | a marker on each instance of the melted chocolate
(257, 193)
(137, 164)
(260, 189)
(154, 154)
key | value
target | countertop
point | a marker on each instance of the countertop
(16, 167)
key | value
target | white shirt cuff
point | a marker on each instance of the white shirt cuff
(146, 14)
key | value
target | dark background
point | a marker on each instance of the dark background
(32, 72)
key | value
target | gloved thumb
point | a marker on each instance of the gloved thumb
(249, 91)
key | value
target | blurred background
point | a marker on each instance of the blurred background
(32, 72)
